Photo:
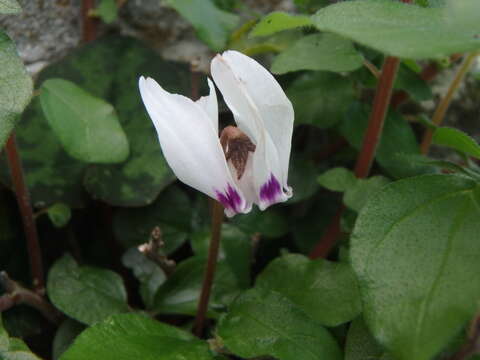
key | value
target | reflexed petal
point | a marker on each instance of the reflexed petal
(190, 145)
(210, 105)
(265, 114)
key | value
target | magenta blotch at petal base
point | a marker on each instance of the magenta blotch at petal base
(230, 199)
(270, 191)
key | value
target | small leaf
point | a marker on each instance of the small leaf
(85, 293)
(328, 292)
(413, 84)
(357, 195)
(132, 336)
(262, 322)
(107, 10)
(327, 52)
(301, 177)
(180, 293)
(279, 21)
(405, 30)
(64, 337)
(93, 136)
(360, 344)
(320, 98)
(10, 7)
(16, 85)
(59, 214)
(171, 211)
(270, 223)
(414, 251)
(337, 179)
(213, 25)
(149, 274)
(13, 348)
(389, 153)
(457, 140)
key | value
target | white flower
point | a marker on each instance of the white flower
(258, 151)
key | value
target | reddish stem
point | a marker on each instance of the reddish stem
(89, 23)
(377, 117)
(24, 204)
(217, 218)
(330, 236)
(367, 153)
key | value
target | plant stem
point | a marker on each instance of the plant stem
(472, 346)
(89, 23)
(15, 294)
(365, 158)
(445, 102)
(23, 200)
(217, 219)
(377, 117)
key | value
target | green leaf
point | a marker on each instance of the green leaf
(107, 10)
(12, 348)
(457, 140)
(320, 98)
(64, 337)
(59, 214)
(356, 196)
(301, 177)
(131, 336)
(413, 84)
(87, 294)
(390, 154)
(139, 180)
(235, 251)
(94, 136)
(327, 52)
(279, 21)
(269, 223)
(149, 274)
(414, 252)
(180, 293)
(262, 322)
(405, 30)
(258, 45)
(10, 7)
(16, 85)
(171, 211)
(311, 5)
(328, 292)
(360, 344)
(107, 68)
(213, 26)
(337, 179)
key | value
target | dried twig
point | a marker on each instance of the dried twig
(152, 248)
(15, 294)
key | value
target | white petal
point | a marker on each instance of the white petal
(263, 111)
(190, 145)
(210, 105)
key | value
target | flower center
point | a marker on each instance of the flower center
(236, 146)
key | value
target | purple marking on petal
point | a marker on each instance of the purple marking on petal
(270, 190)
(230, 198)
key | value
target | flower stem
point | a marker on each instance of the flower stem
(445, 102)
(367, 153)
(23, 200)
(217, 219)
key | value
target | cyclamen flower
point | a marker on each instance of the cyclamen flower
(248, 164)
